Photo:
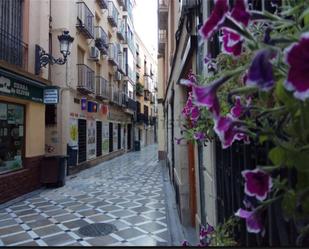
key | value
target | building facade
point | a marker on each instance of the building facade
(146, 94)
(95, 117)
(23, 23)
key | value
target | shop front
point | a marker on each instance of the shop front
(22, 133)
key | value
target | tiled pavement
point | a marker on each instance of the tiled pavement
(126, 191)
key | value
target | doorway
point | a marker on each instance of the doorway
(82, 140)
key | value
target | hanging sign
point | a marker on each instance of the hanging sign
(83, 104)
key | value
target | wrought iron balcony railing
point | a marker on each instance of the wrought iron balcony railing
(85, 79)
(131, 104)
(101, 39)
(102, 88)
(85, 20)
(13, 50)
(102, 4)
(112, 14)
(113, 54)
(121, 31)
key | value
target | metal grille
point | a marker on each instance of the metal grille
(12, 48)
(230, 193)
(97, 229)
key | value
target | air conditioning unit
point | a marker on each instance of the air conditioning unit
(94, 53)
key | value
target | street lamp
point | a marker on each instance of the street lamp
(42, 58)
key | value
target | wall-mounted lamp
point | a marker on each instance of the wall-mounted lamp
(42, 58)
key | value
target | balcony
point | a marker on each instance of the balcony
(163, 14)
(123, 99)
(13, 50)
(85, 79)
(113, 54)
(141, 118)
(161, 41)
(121, 67)
(152, 98)
(139, 89)
(132, 105)
(147, 83)
(121, 3)
(121, 32)
(102, 88)
(101, 40)
(115, 95)
(138, 62)
(112, 14)
(102, 4)
(146, 95)
(85, 20)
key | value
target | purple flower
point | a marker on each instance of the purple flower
(178, 140)
(297, 57)
(215, 20)
(253, 220)
(258, 183)
(226, 129)
(203, 233)
(185, 243)
(232, 42)
(237, 109)
(199, 136)
(206, 95)
(195, 113)
(240, 12)
(260, 72)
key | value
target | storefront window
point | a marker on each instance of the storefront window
(11, 136)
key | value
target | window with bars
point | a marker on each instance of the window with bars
(12, 48)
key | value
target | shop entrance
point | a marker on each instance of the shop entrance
(129, 136)
(82, 146)
(110, 137)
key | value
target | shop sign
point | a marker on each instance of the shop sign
(83, 104)
(51, 96)
(11, 87)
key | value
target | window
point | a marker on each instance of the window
(12, 129)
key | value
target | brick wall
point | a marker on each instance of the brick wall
(22, 181)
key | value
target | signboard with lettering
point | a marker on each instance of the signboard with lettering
(11, 87)
(51, 96)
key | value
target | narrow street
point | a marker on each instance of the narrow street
(126, 192)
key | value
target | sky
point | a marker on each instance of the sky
(145, 23)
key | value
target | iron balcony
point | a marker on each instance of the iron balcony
(85, 20)
(102, 88)
(112, 14)
(85, 79)
(101, 40)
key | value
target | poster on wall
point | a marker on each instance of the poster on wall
(105, 138)
(73, 131)
(91, 139)
(3, 111)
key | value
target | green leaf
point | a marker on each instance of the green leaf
(263, 138)
(284, 96)
(289, 203)
(301, 161)
(277, 155)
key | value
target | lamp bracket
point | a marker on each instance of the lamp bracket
(42, 59)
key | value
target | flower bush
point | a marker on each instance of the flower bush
(259, 94)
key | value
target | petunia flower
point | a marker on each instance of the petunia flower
(257, 183)
(195, 113)
(185, 243)
(253, 220)
(199, 136)
(260, 72)
(178, 140)
(297, 57)
(206, 95)
(226, 129)
(215, 20)
(237, 109)
(232, 42)
(240, 12)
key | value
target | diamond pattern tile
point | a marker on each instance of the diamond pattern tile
(126, 191)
